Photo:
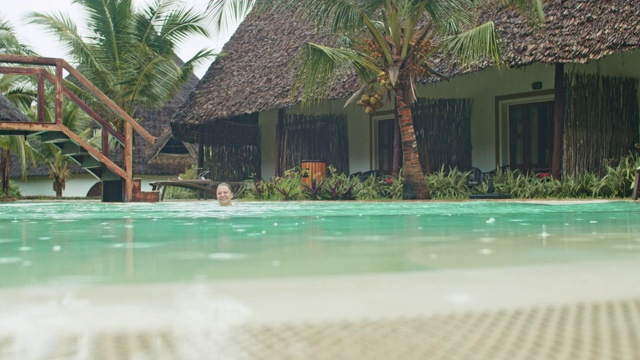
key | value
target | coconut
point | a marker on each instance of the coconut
(369, 110)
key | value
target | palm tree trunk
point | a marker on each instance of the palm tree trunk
(414, 186)
(5, 168)
(59, 186)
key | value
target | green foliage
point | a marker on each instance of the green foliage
(178, 193)
(450, 184)
(338, 186)
(620, 178)
(14, 192)
(289, 186)
(130, 53)
(371, 188)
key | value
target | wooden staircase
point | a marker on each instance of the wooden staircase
(118, 184)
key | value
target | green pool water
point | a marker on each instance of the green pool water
(75, 243)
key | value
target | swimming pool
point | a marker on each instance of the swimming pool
(63, 242)
(313, 262)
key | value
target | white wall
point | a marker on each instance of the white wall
(483, 87)
(78, 186)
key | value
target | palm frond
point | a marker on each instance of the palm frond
(9, 41)
(477, 44)
(316, 66)
(182, 23)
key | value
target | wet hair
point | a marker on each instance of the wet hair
(224, 184)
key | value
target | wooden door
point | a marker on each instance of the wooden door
(385, 145)
(531, 136)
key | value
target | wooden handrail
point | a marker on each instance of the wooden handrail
(61, 64)
(112, 105)
(60, 90)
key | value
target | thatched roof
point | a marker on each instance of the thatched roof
(254, 75)
(575, 31)
(9, 112)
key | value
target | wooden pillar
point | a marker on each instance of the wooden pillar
(58, 92)
(128, 161)
(201, 148)
(277, 167)
(558, 119)
(41, 91)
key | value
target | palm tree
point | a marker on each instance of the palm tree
(130, 55)
(390, 44)
(16, 89)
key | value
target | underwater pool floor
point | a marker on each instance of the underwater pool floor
(585, 310)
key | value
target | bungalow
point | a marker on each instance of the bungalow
(577, 77)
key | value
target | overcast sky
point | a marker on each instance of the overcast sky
(46, 45)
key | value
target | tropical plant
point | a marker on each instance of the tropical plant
(129, 54)
(338, 186)
(16, 90)
(448, 185)
(174, 192)
(390, 44)
(620, 177)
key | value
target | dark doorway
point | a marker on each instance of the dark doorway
(385, 145)
(531, 136)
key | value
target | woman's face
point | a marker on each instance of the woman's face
(224, 195)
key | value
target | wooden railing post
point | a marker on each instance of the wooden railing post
(41, 96)
(58, 92)
(128, 161)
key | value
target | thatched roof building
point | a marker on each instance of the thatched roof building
(254, 75)
(9, 112)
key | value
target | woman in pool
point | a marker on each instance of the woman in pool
(224, 194)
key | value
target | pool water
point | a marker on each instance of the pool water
(96, 243)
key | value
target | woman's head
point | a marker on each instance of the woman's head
(224, 194)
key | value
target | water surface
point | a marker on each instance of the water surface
(96, 243)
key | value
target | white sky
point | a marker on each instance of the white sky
(15, 11)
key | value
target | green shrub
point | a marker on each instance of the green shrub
(619, 179)
(14, 191)
(449, 185)
(178, 193)
(336, 186)
(371, 188)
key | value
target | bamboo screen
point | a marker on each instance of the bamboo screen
(305, 137)
(443, 133)
(232, 149)
(601, 121)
